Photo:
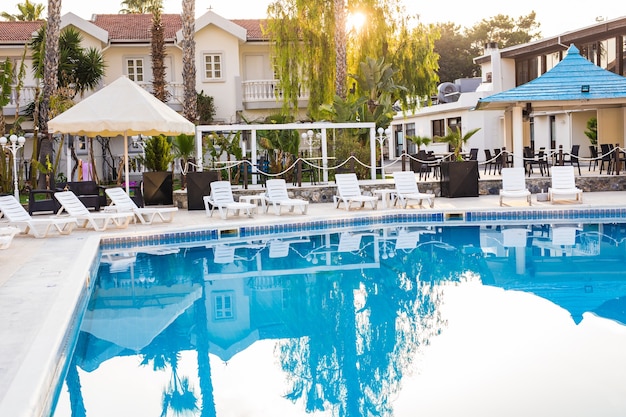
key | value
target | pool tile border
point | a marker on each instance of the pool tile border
(448, 218)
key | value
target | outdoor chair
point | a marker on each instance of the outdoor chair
(514, 185)
(278, 197)
(572, 158)
(406, 189)
(38, 227)
(564, 183)
(490, 161)
(221, 197)
(349, 192)
(99, 221)
(123, 203)
(606, 158)
(594, 157)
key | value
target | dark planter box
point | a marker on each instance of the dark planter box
(459, 179)
(199, 185)
(158, 188)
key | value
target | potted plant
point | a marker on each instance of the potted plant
(459, 177)
(158, 180)
(198, 183)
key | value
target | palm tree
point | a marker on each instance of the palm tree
(158, 52)
(184, 147)
(341, 60)
(457, 140)
(138, 6)
(50, 77)
(190, 108)
(29, 12)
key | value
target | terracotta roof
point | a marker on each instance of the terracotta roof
(125, 28)
(253, 28)
(136, 27)
(18, 32)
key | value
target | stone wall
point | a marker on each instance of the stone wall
(324, 193)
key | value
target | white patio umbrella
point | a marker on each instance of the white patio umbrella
(121, 108)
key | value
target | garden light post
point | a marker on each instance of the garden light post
(308, 137)
(13, 144)
(382, 135)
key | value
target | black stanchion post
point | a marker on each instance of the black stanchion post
(403, 160)
(560, 160)
(617, 161)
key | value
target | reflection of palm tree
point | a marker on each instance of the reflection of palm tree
(179, 396)
(204, 364)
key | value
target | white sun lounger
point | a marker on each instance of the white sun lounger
(6, 236)
(349, 191)
(564, 184)
(221, 197)
(407, 190)
(38, 227)
(122, 203)
(514, 184)
(99, 221)
(277, 196)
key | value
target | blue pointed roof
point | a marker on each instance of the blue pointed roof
(572, 81)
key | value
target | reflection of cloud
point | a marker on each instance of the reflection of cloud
(509, 353)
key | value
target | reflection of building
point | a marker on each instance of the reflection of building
(578, 267)
(272, 288)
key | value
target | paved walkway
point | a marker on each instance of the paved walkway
(42, 280)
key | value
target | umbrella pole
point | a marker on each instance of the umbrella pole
(126, 170)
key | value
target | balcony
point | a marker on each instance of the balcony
(27, 96)
(265, 94)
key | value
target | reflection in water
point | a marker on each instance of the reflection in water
(350, 313)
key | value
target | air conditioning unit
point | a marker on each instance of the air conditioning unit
(447, 93)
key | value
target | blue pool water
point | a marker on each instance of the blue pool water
(515, 320)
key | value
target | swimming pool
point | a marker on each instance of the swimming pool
(396, 319)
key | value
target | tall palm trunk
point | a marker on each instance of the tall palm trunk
(340, 49)
(50, 81)
(189, 63)
(158, 54)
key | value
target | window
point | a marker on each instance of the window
(454, 124)
(135, 69)
(438, 127)
(223, 306)
(213, 66)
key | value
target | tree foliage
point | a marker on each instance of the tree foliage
(304, 49)
(457, 46)
(28, 12)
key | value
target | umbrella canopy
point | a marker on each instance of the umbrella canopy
(121, 108)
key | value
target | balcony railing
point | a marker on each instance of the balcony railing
(265, 90)
(27, 96)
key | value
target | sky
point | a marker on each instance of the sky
(555, 17)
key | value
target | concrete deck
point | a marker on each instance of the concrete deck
(42, 280)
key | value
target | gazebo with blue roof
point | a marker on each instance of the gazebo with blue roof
(573, 84)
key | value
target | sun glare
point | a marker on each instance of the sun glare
(355, 21)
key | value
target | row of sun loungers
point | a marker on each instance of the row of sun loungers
(74, 214)
(123, 209)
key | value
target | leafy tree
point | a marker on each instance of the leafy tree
(307, 46)
(504, 30)
(28, 12)
(205, 108)
(457, 47)
(456, 54)
(592, 131)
